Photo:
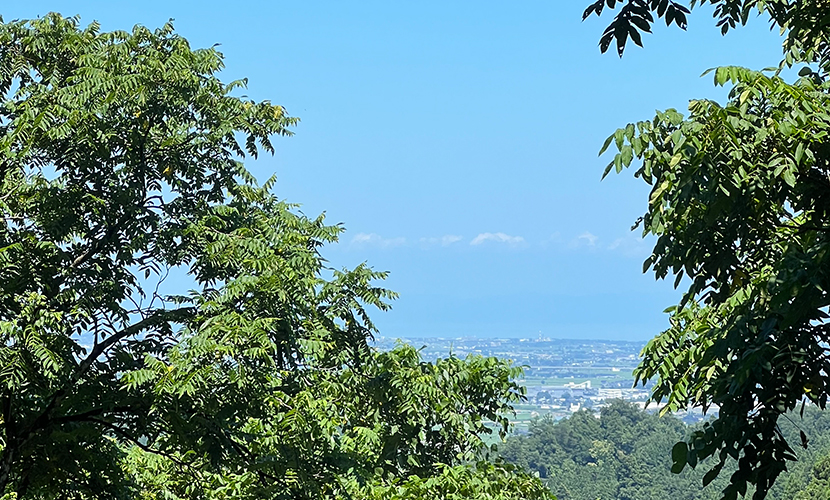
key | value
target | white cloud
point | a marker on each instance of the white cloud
(498, 238)
(631, 246)
(376, 240)
(444, 241)
(618, 243)
(587, 238)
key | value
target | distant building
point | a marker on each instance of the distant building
(582, 385)
(576, 390)
(611, 393)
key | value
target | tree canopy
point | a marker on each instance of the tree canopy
(620, 453)
(121, 161)
(805, 22)
(739, 205)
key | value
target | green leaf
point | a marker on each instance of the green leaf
(619, 137)
(722, 75)
(789, 176)
(606, 144)
(679, 453)
(627, 155)
(608, 169)
(629, 132)
(786, 128)
(799, 153)
(710, 476)
(675, 159)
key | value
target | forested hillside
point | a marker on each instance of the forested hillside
(623, 452)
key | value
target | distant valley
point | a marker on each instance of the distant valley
(562, 376)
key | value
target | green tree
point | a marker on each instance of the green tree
(805, 22)
(739, 206)
(617, 454)
(121, 162)
(819, 486)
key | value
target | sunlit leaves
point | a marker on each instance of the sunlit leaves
(739, 207)
(253, 377)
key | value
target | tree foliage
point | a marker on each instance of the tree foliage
(739, 204)
(121, 162)
(616, 454)
(819, 486)
(622, 455)
(805, 22)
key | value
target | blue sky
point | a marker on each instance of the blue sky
(457, 143)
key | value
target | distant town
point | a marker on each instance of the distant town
(561, 375)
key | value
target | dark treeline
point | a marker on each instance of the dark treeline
(623, 453)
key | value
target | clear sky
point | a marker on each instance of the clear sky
(457, 141)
